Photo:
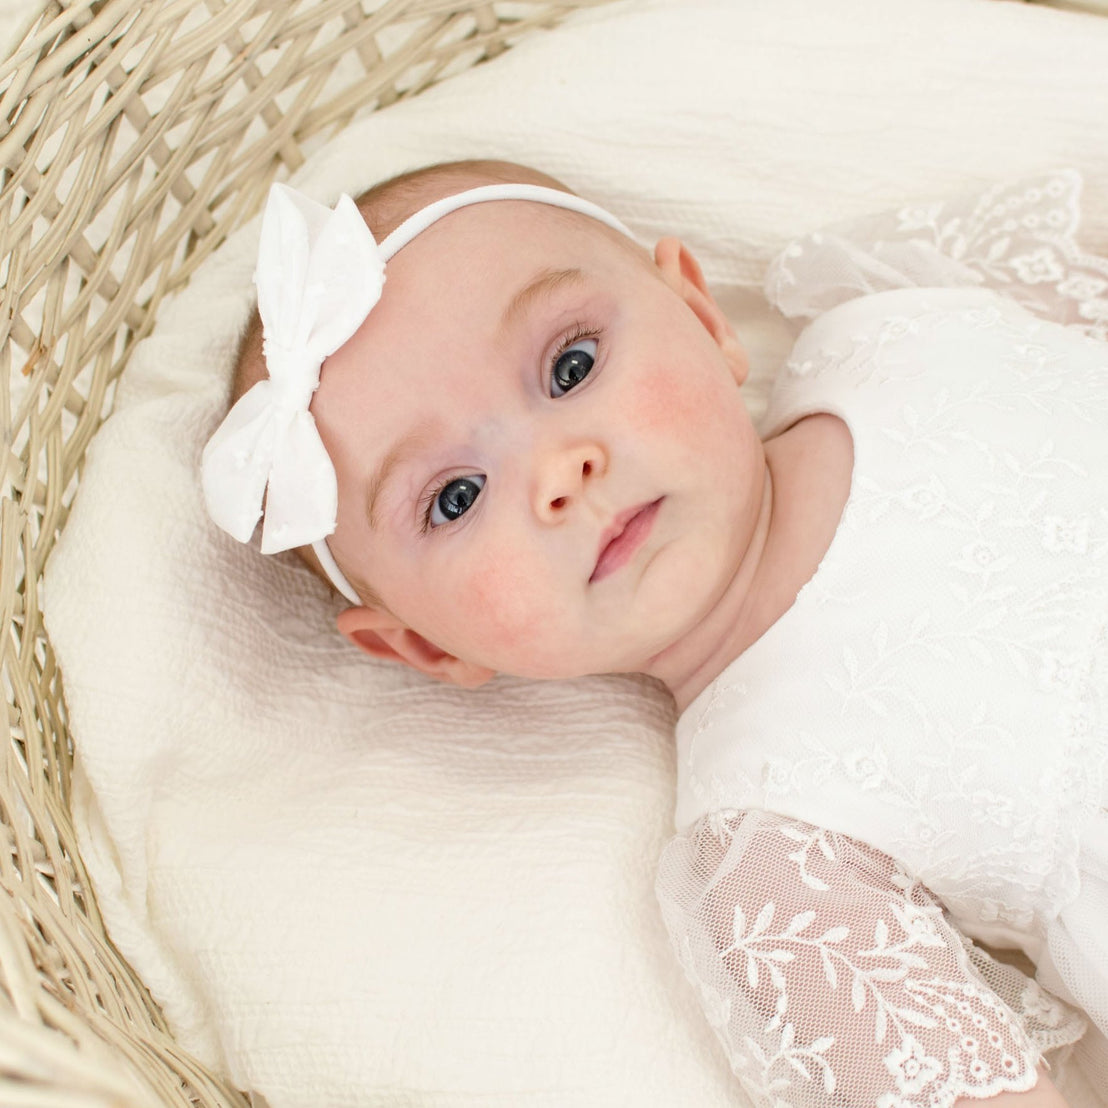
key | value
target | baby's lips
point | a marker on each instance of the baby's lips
(610, 555)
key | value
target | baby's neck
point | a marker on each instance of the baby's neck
(808, 474)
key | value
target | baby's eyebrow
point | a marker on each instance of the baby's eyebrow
(401, 450)
(542, 284)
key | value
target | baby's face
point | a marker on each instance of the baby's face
(525, 389)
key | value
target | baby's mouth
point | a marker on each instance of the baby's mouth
(620, 541)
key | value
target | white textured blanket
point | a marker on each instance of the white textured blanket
(345, 885)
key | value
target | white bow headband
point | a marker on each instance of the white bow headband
(319, 274)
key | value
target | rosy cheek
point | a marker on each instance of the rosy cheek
(663, 402)
(492, 607)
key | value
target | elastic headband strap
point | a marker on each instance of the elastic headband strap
(539, 194)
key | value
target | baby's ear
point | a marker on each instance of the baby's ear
(382, 635)
(681, 271)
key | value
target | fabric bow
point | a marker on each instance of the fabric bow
(319, 273)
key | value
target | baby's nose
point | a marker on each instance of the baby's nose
(562, 476)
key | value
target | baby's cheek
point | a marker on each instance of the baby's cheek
(665, 405)
(492, 608)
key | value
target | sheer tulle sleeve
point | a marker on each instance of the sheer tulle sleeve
(1018, 239)
(832, 979)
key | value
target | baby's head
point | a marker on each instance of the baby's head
(543, 463)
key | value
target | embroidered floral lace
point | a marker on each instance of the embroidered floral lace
(1015, 238)
(833, 979)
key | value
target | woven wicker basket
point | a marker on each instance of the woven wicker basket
(135, 136)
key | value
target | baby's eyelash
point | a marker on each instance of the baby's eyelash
(576, 333)
(427, 503)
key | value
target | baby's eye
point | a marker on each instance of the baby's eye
(454, 499)
(571, 366)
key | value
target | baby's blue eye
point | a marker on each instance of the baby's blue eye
(572, 366)
(454, 499)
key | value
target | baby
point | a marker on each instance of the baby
(528, 452)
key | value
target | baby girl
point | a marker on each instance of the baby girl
(516, 442)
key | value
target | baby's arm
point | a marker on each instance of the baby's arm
(1044, 1095)
(833, 979)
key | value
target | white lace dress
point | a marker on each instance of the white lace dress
(914, 755)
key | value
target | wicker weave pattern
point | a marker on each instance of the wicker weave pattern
(135, 136)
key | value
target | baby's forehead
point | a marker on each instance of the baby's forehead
(492, 251)
(485, 284)
(478, 278)
(496, 276)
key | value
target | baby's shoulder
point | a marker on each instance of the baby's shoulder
(876, 353)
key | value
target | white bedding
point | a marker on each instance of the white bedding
(347, 886)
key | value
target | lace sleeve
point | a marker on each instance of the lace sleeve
(833, 979)
(1015, 238)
